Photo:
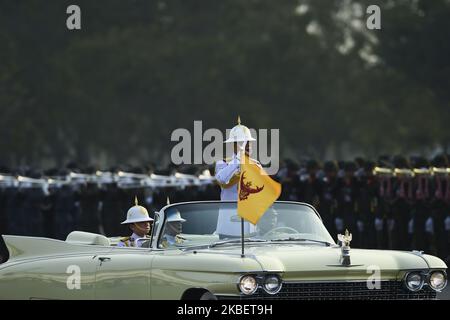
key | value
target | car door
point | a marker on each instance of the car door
(124, 273)
(56, 277)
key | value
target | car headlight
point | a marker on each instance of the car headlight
(414, 281)
(272, 284)
(248, 285)
(437, 280)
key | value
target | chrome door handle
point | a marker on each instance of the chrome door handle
(102, 259)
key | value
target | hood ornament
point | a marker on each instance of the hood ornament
(345, 247)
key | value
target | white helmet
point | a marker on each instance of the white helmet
(136, 214)
(240, 133)
(174, 216)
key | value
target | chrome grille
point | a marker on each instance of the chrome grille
(389, 290)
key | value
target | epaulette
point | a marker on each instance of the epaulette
(125, 239)
(178, 240)
(164, 243)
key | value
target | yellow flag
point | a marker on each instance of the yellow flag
(256, 191)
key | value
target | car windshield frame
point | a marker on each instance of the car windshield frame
(161, 221)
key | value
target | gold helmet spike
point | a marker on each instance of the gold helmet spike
(239, 133)
(168, 201)
(135, 201)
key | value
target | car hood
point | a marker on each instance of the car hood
(316, 261)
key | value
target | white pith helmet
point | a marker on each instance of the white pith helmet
(136, 214)
(240, 133)
(174, 216)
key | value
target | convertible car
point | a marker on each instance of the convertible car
(289, 254)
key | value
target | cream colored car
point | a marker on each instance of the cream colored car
(289, 254)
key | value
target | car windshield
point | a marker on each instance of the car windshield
(214, 224)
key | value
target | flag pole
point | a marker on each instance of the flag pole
(242, 238)
(242, 153)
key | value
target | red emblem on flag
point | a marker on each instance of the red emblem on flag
(246, 188)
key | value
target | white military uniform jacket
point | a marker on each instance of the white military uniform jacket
(227, 174)
(129, 241)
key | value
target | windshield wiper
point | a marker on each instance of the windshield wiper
(301, 239)
(218, 243)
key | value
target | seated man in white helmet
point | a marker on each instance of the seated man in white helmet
(227, 174)
(139, 222)
(173, 229)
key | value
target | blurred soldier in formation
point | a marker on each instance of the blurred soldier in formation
(328, 194)
(112, 201)
(440, 205)
(27, 214)
(288, 176)
(346, 199)
(385, 179)
(4, 195)
(422, 228)
(48, 208)
(65, 209)
(400, 226)
(309, 190)
(210, 191)
(89, 199)
(367, 204)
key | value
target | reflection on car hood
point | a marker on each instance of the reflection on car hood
(316, 261)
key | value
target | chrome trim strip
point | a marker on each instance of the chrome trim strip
(334, 281)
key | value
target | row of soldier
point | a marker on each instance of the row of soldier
(394, 204)
(84, 200)
(387, 205)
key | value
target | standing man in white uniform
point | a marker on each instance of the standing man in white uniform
(227, 174)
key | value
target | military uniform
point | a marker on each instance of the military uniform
(402, 227)
(347, 209)
(169, 241)
(227, 174)
(328, 196)
(367, 203)
(135, 214)
(130, 241)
